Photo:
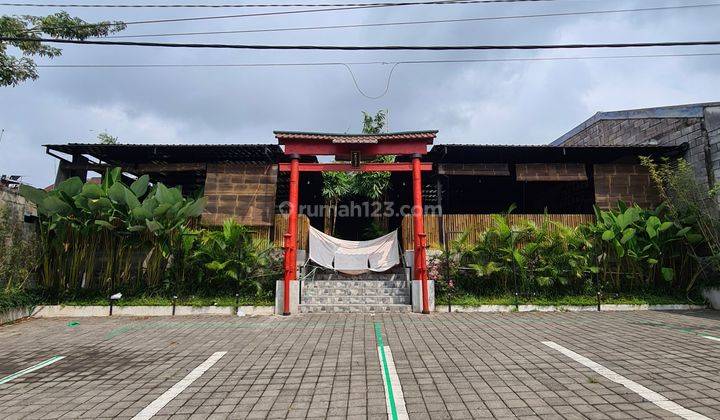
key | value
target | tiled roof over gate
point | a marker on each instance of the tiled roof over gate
(339, 138)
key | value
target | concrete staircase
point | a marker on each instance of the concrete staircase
(332, 292)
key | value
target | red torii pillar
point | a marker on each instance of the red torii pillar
(291, 235)
(419, 240)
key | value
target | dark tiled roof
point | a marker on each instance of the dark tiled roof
(173, 153)
(483, 153)
(283, 136)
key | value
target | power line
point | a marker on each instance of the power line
(365, 47)
(293, 12)
(419, 22)
(253, 5)
(393, 62)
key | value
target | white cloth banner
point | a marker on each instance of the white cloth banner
(354, 257)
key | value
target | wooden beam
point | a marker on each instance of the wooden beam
(141, 167)
(364, 167)
(390, 148)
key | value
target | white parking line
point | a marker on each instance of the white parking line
(33, 368)
(646, 393)
(179, 387)
(400, 411)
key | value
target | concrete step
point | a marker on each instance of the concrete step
(364, 277)
(315, 308)
(355, 300)
(351, 284)
(356, 291)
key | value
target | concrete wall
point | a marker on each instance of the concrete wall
(18, 207)
(630, 183)
(701, 132)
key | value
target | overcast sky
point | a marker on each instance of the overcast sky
(505, 102)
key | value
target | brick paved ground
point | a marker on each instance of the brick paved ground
(449, 365)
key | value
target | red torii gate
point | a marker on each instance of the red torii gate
(353, 147)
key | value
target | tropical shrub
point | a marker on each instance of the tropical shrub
(92, 236)
(233, 258)
(642, 249)
(693, 203)
(549, 258)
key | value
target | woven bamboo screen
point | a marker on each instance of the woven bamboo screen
(281, 222)
(456, 224)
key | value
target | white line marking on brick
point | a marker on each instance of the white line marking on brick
(646, 393)
(179, 387)
(710, 337)
(400, 409)
(33, 368)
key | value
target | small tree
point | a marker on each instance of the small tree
(105, 138)
(373, 185)
(374, 124)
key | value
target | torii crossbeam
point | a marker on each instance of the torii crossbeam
(354, 147)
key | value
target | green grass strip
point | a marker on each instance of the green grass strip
(386, 371)
(30, 369)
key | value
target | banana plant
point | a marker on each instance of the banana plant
(641, 245)
(80, 220)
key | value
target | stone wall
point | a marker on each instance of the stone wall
(630, 183)
(712, 127)
(701, 131)
(551, 172)
(660, 131)
(243, 192)
(18, 206)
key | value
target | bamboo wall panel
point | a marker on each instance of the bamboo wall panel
(281, 223)
(456, 224)
(242, 192)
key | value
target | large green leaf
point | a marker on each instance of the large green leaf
(131, 200)
(105, 224)
(139, 186)
(608, 235)
(665, 226)
(153, 225)
(164, 195)
(34, 195)
(117, 193)
(668, 274)
(619, 250)
(194, 208)
(141, 213)
(161, 210)
(71, 186)
(54, 205)
(91, 191)
(101, 203)
(628, 234)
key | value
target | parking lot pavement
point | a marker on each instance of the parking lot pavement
(527, 365)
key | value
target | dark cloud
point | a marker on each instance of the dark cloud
(519, 102)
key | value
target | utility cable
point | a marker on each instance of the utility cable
(253, 5)
(357, 86)
(365, 47)
(293, 12)
(338, 63)
(419, 22)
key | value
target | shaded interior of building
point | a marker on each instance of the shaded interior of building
(466, 179)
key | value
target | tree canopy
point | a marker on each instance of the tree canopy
(15, 69)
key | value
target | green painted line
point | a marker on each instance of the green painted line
(386, 371)
(30, 369)
(215, 325)
(681, 329)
